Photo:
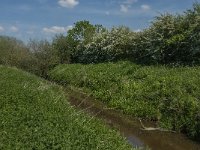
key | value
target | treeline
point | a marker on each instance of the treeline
(170, 39)
(36, 57)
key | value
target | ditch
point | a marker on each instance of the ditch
(131, 128)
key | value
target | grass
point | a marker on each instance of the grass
(35, 114)
(168, 95)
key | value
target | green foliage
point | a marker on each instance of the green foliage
(44, 57)
(35, 114)
(167, 95)
(13, 52)
(108, 46)
(81, 34)
(61, 47)
(170, 39)
(38, 57)
(71, 48)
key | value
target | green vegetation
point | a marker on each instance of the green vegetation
(37, 57)
(168, 95)
(13, 52)
(170, 39)
(35, 114)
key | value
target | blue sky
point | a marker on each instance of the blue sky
(42, 19)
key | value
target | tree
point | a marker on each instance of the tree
(80, 35)
(62, 48)
(44, 57)
(112, 45)
(82, 32)
(13, 52)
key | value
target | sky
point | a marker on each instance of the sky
(43, 19)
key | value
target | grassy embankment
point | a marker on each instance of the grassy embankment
(170, 96)
(35, 114)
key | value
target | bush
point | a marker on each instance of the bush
(13, 52)
(108, 46)
(38, 57)
(44, 57)
(171, 39)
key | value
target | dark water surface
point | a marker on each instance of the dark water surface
(131, 128)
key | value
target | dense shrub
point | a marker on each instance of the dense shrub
(108, 46)
(13, 52)
(170, 39)
(61, 47)
(71, 48)
(87, 43)
(44, 57)
(38, 57)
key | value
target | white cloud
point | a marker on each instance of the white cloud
(130, 1)
(107, 13)
(57, 29)
(14, 29)
(145, 7)
(124, 8)
(1, 29)
(137, 30)
(24, 8)
(30, 32)
(68, 3)
(42, 1)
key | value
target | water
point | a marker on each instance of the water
(131, 128)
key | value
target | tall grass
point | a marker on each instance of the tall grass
(168, 95)
(35, 114)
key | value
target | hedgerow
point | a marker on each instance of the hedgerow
(170, 39)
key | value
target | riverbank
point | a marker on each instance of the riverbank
(128, 126)
(36, 114)
(167, 95)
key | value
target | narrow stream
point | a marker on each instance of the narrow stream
(131, 128)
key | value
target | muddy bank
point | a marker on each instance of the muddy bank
(130, 127)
